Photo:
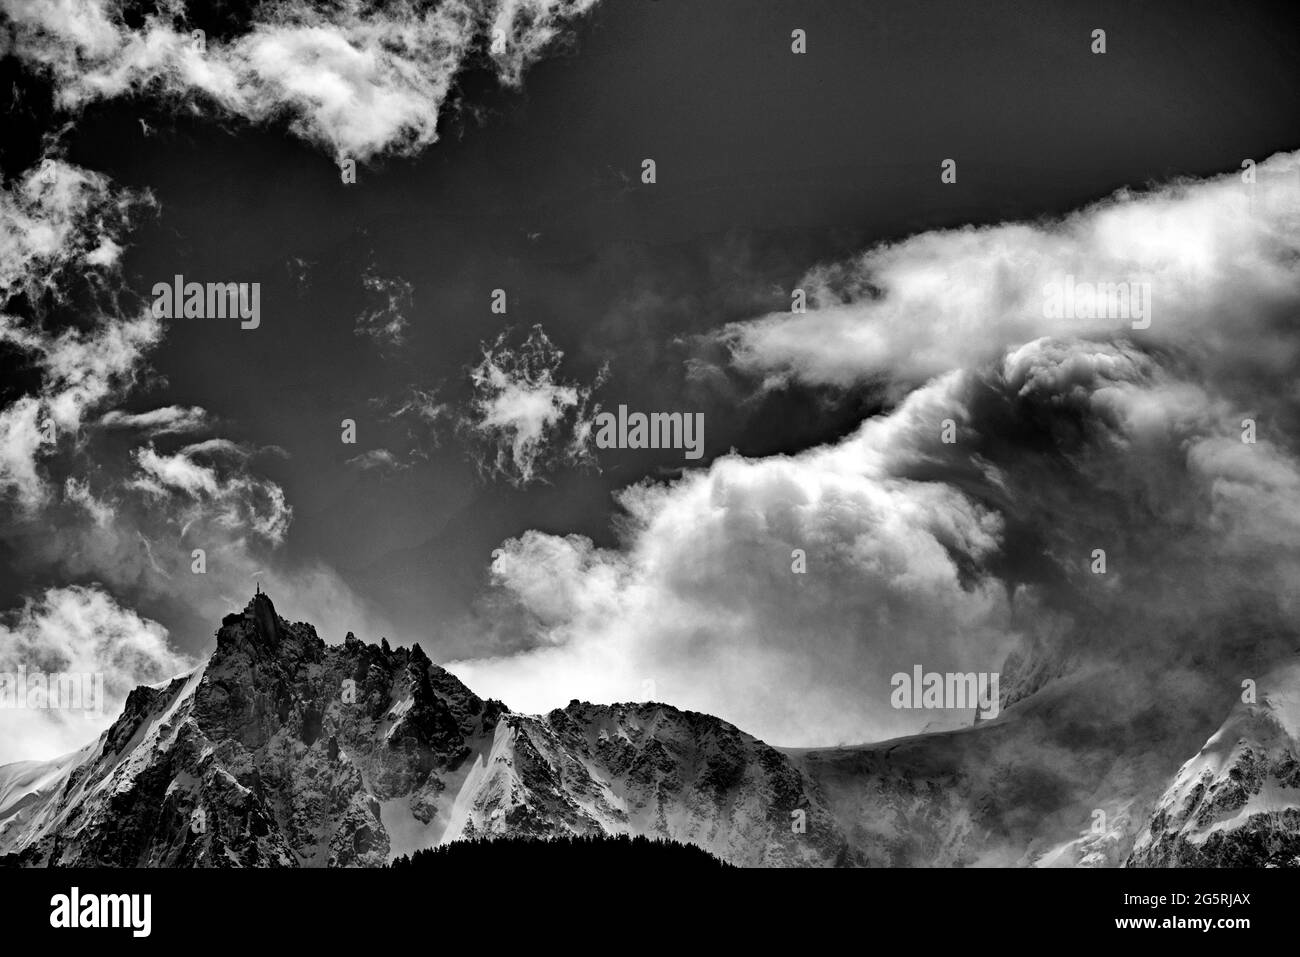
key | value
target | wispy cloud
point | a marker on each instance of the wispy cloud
(198, 486)
(380, 460)
(385, 320)
(168, 420)
(524, 418)
(56, 221)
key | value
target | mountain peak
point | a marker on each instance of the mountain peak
(260, 599)
(284, 751)
(261, 612)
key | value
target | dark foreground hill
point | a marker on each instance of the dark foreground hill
(587, 853)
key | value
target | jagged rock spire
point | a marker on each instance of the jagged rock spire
(262, 613)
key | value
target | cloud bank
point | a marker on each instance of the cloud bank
(966, 519)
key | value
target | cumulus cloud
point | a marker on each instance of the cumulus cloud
(79, 631)
(524, 418)
(358, 78)
(703, 602)
(964, 520)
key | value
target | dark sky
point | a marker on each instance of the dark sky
(767, 163)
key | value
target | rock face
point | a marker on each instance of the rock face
(283, 751)
(1237, 802)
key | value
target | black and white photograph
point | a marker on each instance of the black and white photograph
(646, 453)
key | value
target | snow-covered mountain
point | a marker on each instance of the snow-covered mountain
(285, 751)
(1237, 802)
